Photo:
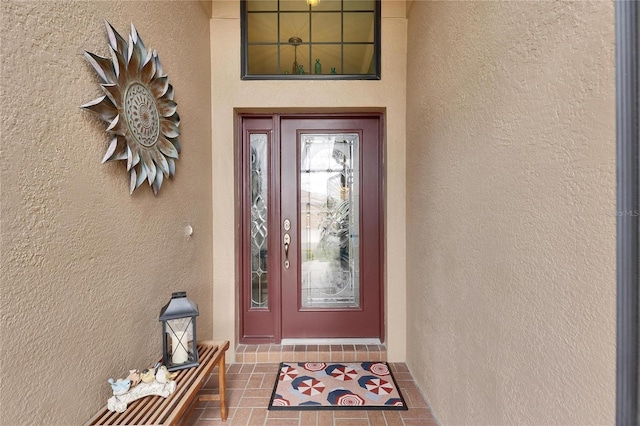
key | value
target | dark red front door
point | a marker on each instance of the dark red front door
(311, 237)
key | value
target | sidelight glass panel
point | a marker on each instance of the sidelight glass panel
(329, 220)
(259, 184)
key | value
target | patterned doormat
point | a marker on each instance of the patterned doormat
(336, 386)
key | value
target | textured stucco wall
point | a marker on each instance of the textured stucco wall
(511, 211)
(85, 267)
(230, 93)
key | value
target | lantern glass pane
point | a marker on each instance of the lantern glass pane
(180, 342)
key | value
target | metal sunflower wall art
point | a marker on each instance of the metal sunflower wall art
(139, 109)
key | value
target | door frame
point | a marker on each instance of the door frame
(274, 313)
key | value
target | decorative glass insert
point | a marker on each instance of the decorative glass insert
(329, 220)
(310, 39)
(259, 231)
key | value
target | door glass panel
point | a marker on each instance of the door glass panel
(258, 181)
(329, 220)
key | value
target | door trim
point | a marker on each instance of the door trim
(241, 212)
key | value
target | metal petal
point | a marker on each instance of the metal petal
(117, 150)
(120, 64)
(147, 162)
(159, 86)
(129, 158)
(103, 107)
(133, 157)
(114, 92)
(103, 66)
(169, 94)
(167, 148)
(136, 155)
(133, 61)
(114, 61)
(119, 155)
(111, 149)
(142, 175)
(116, 41)
(176, 143)
(172, 166)
(148, 69)
(166, 107)
(132, 181)
(161, 162)
(175, 119)
(169, 129)
(157, 183)
(156, 58)
(138, 41)
(117, 127)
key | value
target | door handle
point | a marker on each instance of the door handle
(286, 240)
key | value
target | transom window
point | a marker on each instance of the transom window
(310, 39)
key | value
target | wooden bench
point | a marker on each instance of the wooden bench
(156, 410)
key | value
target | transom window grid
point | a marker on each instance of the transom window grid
(324, 32)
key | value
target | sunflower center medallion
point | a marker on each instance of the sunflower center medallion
(141, 114)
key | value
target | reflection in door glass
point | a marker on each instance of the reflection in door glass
(329, 194)
(259, 156)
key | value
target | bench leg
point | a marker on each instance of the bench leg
(222, 384)
(222, 388)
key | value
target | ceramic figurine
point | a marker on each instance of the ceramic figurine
(147, 375)
(163, 375)
(134, 376)
(120, 386)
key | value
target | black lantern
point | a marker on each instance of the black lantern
(178, 319)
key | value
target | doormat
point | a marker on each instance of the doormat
(332, 386)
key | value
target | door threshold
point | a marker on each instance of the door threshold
(331, 341)
(314, 352)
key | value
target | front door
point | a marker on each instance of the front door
(311, 227)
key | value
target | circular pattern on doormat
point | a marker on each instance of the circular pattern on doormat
(313, 366)
(375, 385)
(377, 368)
(342, 372)
(344, 397)
(288, 373)
(308, 385)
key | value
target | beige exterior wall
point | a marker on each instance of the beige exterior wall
(229, 94)
(511, 211)
(85, 267)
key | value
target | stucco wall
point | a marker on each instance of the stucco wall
(511, 211)
(86, 267)
(229, 93)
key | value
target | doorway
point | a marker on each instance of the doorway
(311, 237)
